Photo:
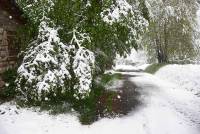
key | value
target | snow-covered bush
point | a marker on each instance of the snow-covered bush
(45, 64)
(82, 65)
(46, 67)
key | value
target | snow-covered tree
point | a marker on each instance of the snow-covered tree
(45, 64)
(171, 30)
(71, 35)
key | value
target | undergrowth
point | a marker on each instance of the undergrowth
(152, 69)
(97, 105)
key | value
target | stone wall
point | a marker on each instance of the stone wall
(8, 47)
(8, 52)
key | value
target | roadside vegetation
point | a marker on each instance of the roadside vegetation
(153, 68)
(66, 46)
(97, 105)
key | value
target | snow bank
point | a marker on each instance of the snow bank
(185, 76)
(147, 121)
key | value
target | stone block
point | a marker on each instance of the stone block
(3, 54)
(3, 48)
(1, 30)
(3, 65)
(1, 37)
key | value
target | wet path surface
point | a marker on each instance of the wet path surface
(128, 96)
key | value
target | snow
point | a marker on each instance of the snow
(36, 10)
(131, 68)
(47, 62)
(147, 121)
(114, 14)
(161, 11)
(166, 109)
(126, 14)
(118, 96)
(171, 108)
(135, 57)
(169, 11)
(114, 84)
(83, 68)
(197, 39)
(136, 60)
(41, 65)
(184, 76)
(83, 64)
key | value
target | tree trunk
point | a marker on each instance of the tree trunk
(162, 45)
(159, 50)
(165, 52)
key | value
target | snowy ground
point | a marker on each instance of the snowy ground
(167, 108)
(184, 76)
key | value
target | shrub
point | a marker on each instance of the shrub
(51, 68)
(8, 92)
(59, 65)
(90, 108)
(154, 67)
(66, 36)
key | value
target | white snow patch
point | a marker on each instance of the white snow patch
(131, 67)
(136, 60)
(113, 14)
(184, 76)
(114, 85)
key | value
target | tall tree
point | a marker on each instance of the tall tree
(171, 29)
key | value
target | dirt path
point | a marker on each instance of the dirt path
(129, 96)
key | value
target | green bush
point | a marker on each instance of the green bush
(106, 78)
(8, 92)
(155, 67)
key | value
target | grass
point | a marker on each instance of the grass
(106, 78)
(100, 102)
(152, 69)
